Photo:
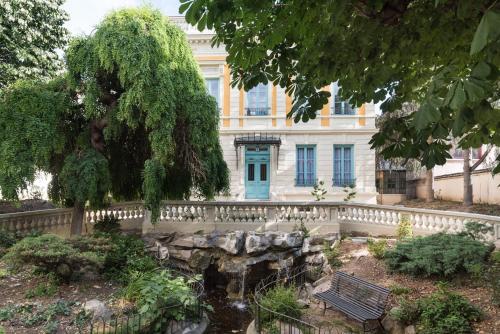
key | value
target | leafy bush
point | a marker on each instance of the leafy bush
(493, 277)
(405, 228)
(445, 312)
(107, 225)
(442, 312)
(280, 299)
(377, 248)
(332, 255)
(442, 255)
(47, 288)
(7, 239)
(407, 313)
(153, 292)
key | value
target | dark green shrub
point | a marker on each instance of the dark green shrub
(377, 248)
(442, 255)
(443, 312)
(493, 277)
(107, 225)
(7, 239)
(446, 312)
(280, 299)
(52, 254)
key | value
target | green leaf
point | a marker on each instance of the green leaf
(428, 113)
(487, 30)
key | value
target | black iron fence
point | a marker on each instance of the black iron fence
(268, 321)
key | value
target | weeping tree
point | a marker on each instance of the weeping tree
(130, 119)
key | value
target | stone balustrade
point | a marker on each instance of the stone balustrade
(191, 216)
(56, 221)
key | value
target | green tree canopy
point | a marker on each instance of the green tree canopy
(131, 118)
(30, 33)
(443, 55)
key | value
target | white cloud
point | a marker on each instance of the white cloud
(84, 15)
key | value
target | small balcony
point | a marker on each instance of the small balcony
(257, 111)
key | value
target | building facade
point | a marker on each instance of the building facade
(272, 158)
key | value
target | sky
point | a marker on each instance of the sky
(84, 15)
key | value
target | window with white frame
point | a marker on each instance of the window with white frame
(213, 88)
(343, 166)
(339, 106)
(306, 165)
(257, 101)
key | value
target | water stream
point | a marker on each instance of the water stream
(228, 317)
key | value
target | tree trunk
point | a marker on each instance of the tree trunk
(467, 178)
(429, 192)
(77, 219)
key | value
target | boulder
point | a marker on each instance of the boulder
(98, 309)
(307, 247)
(231, 242)
(257, 243)
(283, 240)
(202, 241)
(200, 259)
(180, 254)
(410, 330)
(391, 325)
(316, 259)
(183, 242)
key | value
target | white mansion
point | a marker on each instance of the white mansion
(272, 158)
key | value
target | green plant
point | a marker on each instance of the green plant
(350, 192)
(446, 312)
(407, 312)
(319, 191)
(107, 225)
(7, 312)
(7, 239)
(377, 248)
(280, 299)
(2, 330)
(332, 255)
(3, 273)
(405, 228)
(443, 255)
(492, 275)
(399, 290)
(477, 231)
(47, 288)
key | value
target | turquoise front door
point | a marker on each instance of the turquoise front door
(257, 172)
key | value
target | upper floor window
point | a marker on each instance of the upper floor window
(213, 88)
(340, 107)
(458, 153)
(306, 165)
(257, 101)
(343, 166)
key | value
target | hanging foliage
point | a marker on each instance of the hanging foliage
(131, 119)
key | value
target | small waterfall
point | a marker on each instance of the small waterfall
(241, 303)
(242, 285)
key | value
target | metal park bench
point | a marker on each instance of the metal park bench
(358, 299)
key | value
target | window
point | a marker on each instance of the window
(340, 107)
(251, 172)
(343, 166)
(306, 165)
(213, 88)
(257, 104)
(458, 153)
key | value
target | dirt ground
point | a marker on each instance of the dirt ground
(13, 290)
(356, 260)
(485, 209)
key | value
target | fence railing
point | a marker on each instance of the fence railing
(348, 215)
(270, 321)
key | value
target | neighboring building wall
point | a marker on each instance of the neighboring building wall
(327, 130)
(484, 187)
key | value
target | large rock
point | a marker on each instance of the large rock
(180, 254)
(98, 309)
(256, 243)
(283, 240)
(200, 259)
(391, 325)
(231, 242)
(307, 247)
(316, 259)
